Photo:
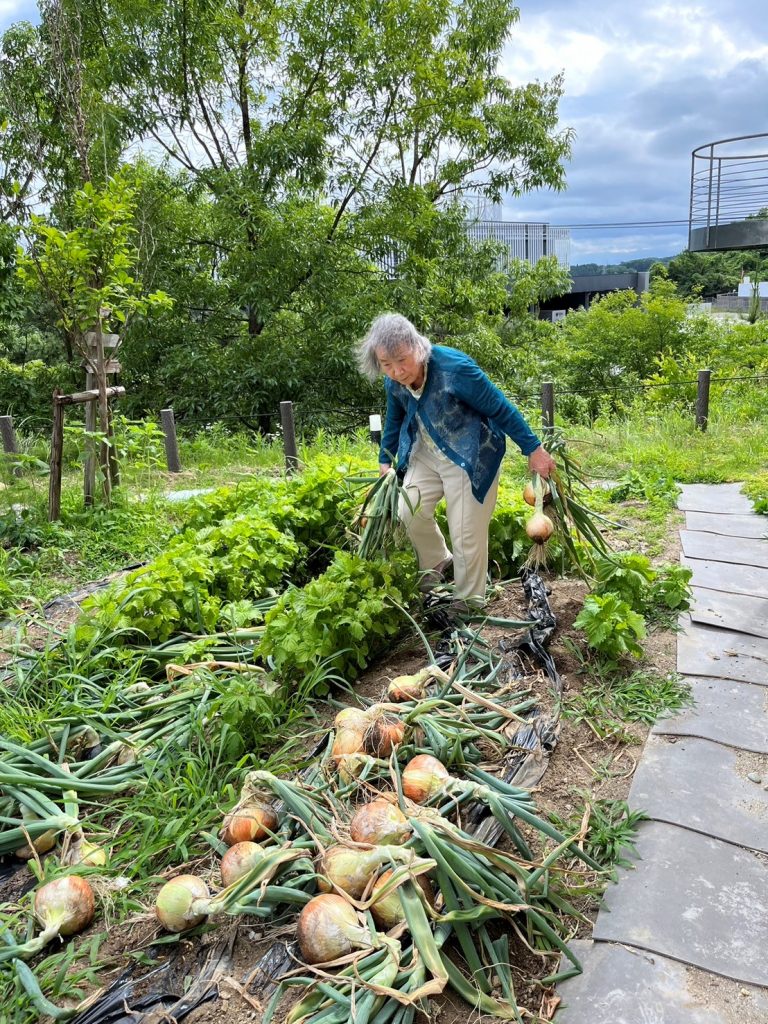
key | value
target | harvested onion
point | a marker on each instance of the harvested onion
(249, 821)
(328, 928)
(414, 687)
(539, 528)
(385, 732)
(529, 493)
(351, 870)
(423, 777)
(380, 823)
(387, 910)
(81, 851)
(64, 906)
(352, 718)
(239, 860)
(42, 844)
(174, 905)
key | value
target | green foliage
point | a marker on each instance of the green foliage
(632, 485)
(609, 700)
(342, 619)
(627, 574)
(670, 589)
(756, 488)
(612, 628)
(611, 828)
(25, 391)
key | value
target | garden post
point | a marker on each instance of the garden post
(171, 444)
(289, 437)
(702, 399)
(10, 447)
(548, 406)
(374, 425)
(89, 466)
(57, 451)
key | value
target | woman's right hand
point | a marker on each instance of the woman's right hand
(384, 468)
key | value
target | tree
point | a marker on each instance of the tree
(87, 274)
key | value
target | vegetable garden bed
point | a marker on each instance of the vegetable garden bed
(234, 717)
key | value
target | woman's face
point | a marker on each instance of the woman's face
(403, 366)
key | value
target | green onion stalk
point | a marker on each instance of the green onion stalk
(378, 518)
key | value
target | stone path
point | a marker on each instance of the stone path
(683, 937)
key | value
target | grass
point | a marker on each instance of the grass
(611, 828)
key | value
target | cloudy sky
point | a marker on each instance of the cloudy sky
(645, 83)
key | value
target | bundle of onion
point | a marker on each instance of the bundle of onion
(375, 731)
(329, 928)
(379, 823)
(539, 527)
(62, 907)
(425, 778)
(529, 493)
(414, 687)
(239, 860)
(351, 869)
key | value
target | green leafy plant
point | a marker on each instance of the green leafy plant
(342, 618)
(611, 829)
(671, 588)
(627, 574)
(612, 628)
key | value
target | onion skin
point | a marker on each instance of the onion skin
(413, 687)
(539, 528)
(173, 905)
(351, 869)
(81, 851)
(423, 777)
(388, 910)
(385, 732)
(238, 861)
(380, 823)
(328, 928)
(248, 822)
(65, 906)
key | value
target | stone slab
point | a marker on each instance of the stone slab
(739, 612)
(709, 651)
(754, 526)
(734, 579)
(717, 548)
(621, 985)
(703, 785)
(692, 898)
(719, 498)
(725, 711)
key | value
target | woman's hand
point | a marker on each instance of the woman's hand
(541, 462)
(384, 468)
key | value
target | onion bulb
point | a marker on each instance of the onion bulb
(380, 823)
(385, 732)
(174, 905)
(249, 821)
(351, 718)
(346, 750)
(412, 687)
(529, 494)
(388, 910)
(81, 851)
(238, 861)
(539, 528)
(328, 928)
(351, 870)
(423, 777)
(64, 906)
(42, 844)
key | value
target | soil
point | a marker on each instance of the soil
(581, 763)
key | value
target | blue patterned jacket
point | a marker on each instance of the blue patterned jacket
(464, 414)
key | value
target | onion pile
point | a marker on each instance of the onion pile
(175, 903)
(328, 928)
(379, 823)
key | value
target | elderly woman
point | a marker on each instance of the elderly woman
(445, 425)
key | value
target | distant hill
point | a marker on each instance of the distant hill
(582, 269)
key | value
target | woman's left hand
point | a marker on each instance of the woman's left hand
(541, 462)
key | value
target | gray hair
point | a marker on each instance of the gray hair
(390, 333)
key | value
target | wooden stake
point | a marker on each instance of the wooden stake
(171, 444)
(289, 437)
(702, 399)
(548, 406)
(89, 469)
(57, 452)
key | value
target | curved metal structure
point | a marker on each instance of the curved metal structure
(729, 195)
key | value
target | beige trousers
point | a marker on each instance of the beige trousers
(427, 479)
